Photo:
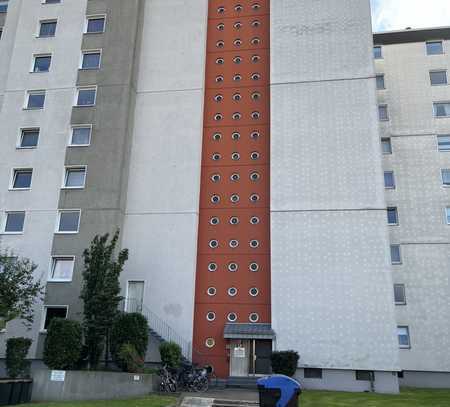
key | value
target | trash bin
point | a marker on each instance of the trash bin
(278, 391)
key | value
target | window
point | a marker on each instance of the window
(377, 52)
(383, 113)
(14, 222)
(80, 136)
(396, 255)
(51, 1)
(75, 177)
(3, 6)
(444, 143)
(42, 63)
(386, 145)
(399, 294)
(29, 138)
(47, 28)
(435, 48)
(62, 268)
(447, 215)
(403, 337)
(69, 221)
(95, 24)
(35, 99)
(91, 60)
(1, 32)
(445, 177)
(21, 178)
(438, 77)
(51, 312)
(392, 216)
(310, 373)
(389, 180)
(442, 109)
(364, 375)
(380, 82)
(86, 96)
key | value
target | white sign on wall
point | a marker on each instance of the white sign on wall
(239, 352)
(57, 376)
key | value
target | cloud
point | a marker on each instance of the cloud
(399, 14)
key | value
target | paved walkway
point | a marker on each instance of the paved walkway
(235, 397)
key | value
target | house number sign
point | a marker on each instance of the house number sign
(239, 352)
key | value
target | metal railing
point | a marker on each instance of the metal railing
(158, 325)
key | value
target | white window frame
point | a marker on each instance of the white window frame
(51, 4)
(58, 220)
(67, 168)
(5, 219)
(431, 41)
(53, 262)
(434, 109)
(46, 20)
(393, 179)
(390, 144)
(28, 93)
(80, 126)
(79, 88)
(127, 292)
(44, 314)
(88, 52)
(447, 215)
(13, 178)
(437, 141)
(409, 336)
(33, 61)
(398, 217)
(387, 112)
(384, 80)
(381, 49)
(94, 17)
(396, 263)
(19, 140)
(436, 71)
(404, 294)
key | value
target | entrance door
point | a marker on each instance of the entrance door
(240, 358)
(135, 296)
(263, 352)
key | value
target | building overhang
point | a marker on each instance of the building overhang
(249, 331)
(410, 35)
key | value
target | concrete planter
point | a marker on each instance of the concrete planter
(83, 385)
(15, 391)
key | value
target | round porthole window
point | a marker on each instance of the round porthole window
(256, 115)
(234, 198)
(221, 26)
(234, 220)
(213, 244)
(256, 95)
(236, 116)
(234, 243)
(233, 267)
(235, 156)
(237, 97)
(253, 317)
(256, 58)
(218, 98)
(254, 176)
(232, 291)
(254, 155)
(254, 244)
(232, 317)
(238, 25)
(214, 221)
(255, 41)
(253, 292)
(237, 77)
(253, 267)
(210, 343)
(212, 267)
(256, 6)
(256, 77)
(255, 135)
(210, 316)
(221, 10)
(237, 60)
(217, 136)
(239, 8)
(234, 177)
(219, 78)
(218, 117)
(220, 61)
(254, 198)
(220, 44)
(237, 42)
(212, 291)
(215, 199)
(235, 136)
(254, 220)
(215, 178)
(256, 23)
(216, 157)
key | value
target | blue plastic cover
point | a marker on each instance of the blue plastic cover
(288, 386)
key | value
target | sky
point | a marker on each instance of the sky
(399, 14)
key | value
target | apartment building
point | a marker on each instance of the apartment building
(237, 146)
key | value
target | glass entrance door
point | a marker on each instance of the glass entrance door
(240, 355)
(135, 296)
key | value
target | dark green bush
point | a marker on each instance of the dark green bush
(16, 353)
(63, 344)
(285, 362)
(129, 329)
(129, 359)
(170, 354)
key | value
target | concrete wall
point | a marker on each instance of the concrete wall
(331, 279)
(91, 386)
(429, 380)
(421, 199)
(163, 190)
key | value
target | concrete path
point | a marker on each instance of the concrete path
(221, 398)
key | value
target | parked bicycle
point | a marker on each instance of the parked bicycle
(168, 383)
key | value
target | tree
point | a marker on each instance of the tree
(16, 352)
(18, 289)
(101, 294)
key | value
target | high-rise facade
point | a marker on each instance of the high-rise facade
(236, 145)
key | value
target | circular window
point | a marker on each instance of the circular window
(234, 220)
(238, 25)
(254, 176)
(235, 177)
(210, 316)
(256, 58)
(256, 77)
(221, 26)
(239, 8)
(220, 44)
(236, 116)
(217, 136)
(235, 156)
(212, 267)
(255, 41)
(237, 60)
(212, 291)
(235, 136)
(255, 135)
(253, 317)
(237, 77)
(256, 95)
(234, 198)
(256, 6)
(254, 267)
(215, 199)
(214, 221)
(210, 343)
(253, 292)
(254, 220)
(216, 157)
(234, 243)
(218, 117)
(254, 244)
(256, 23)
(232, 317)
(215, 178)
(219, 78)
(221, 10)
(232, 291)
(218, 98)
(254, 198)
(237, 42)
(256, 115)
(213, 244)
(220, 61)
(237, 97)
(254, 155)
(233, 267)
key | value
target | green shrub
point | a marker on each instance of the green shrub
(16, 353)
(129, 329)
(129, 359)
(63, 344)
(170, 354)
(285, 362)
